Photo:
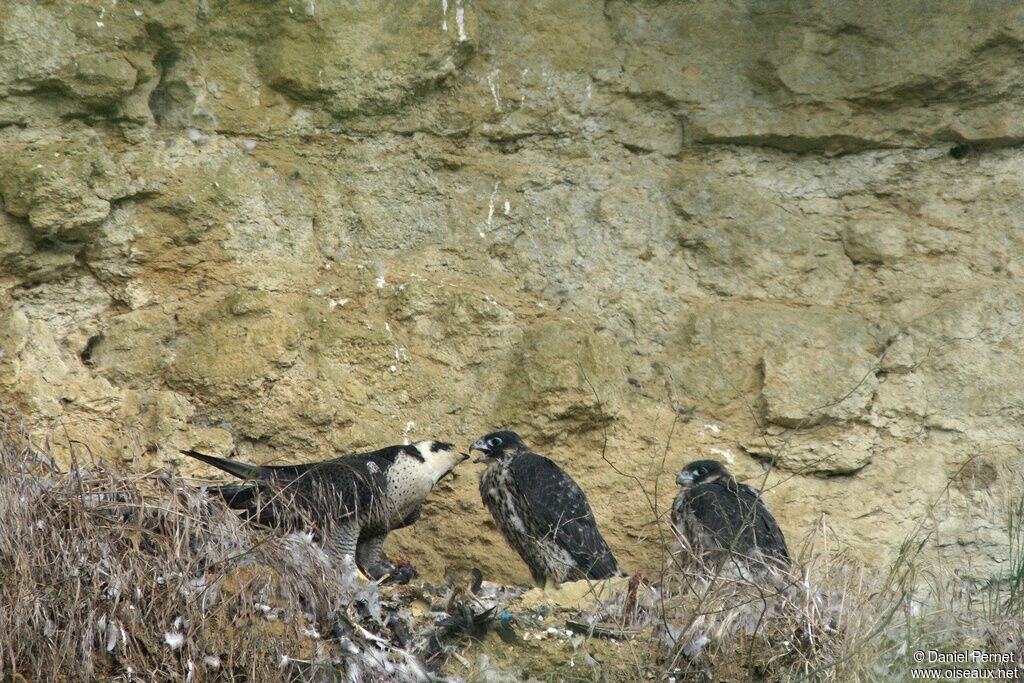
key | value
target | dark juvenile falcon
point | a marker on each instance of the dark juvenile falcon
(351, 502)
(541, 512)
(720, 522)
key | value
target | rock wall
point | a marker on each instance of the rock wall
(637, 232)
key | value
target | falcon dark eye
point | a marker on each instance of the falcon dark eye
(494, 442)
(701, 471)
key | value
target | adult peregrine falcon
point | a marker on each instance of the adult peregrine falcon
(724, 525)
(351, 502)
(541, 512)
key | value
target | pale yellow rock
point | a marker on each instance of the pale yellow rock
(304, 229)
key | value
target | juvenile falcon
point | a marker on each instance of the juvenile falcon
(541, 512)
(720, 522)
(351, 502)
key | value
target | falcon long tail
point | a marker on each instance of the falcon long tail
(605, 567)
(239, 469)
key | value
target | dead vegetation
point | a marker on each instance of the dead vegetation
(109, 575)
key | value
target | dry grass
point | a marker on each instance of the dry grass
(833, 621)
(111, 576)
(105, 575)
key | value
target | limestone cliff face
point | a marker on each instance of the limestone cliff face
(298, 228)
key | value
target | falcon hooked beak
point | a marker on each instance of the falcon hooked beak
(685, 478)
(481, 445)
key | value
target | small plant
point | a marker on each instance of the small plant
(1014, 603)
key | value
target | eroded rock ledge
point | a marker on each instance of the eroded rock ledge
(292, 228)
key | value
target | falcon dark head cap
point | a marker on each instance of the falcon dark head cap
(701, 471)
(496, 445)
